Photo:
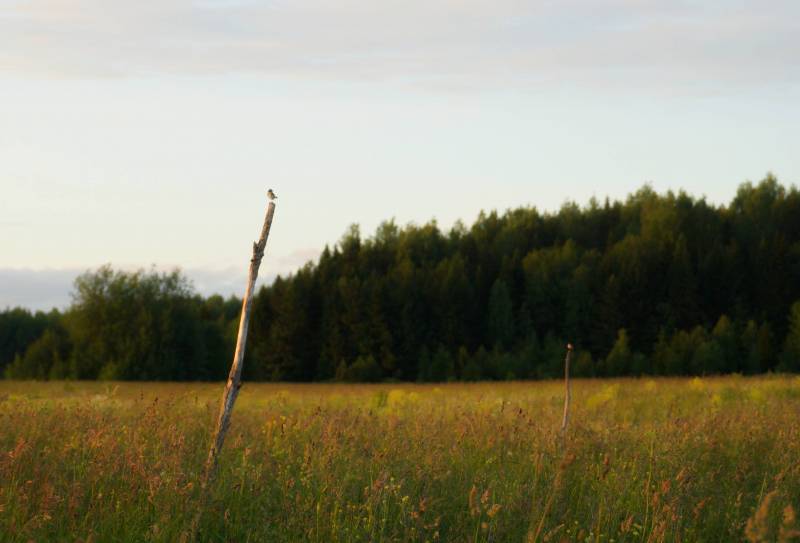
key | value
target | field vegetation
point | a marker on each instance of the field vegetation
(662, 459)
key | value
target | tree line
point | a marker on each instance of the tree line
(141, 325)
(657, 284)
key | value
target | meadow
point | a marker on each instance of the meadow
(714, 459)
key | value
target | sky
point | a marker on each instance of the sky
(145, 134)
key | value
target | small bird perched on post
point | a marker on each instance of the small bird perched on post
(271, 195)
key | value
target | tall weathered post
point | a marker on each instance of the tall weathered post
(235, 376)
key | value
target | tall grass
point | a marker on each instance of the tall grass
(645, 460)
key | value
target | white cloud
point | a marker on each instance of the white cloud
(45, 289)
(449, 43)
(36, 289)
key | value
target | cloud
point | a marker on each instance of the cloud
(36, 289)
(45, 289)
(466, 43)
(293, 261)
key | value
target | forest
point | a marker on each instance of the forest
(657, 284)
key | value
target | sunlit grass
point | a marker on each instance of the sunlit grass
(646, 460)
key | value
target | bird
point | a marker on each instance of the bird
(271, 195)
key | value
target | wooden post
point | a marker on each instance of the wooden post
(565, 420)
(558, 479)
(235, 376)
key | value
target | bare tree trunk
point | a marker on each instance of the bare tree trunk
(235, 375)
(565, 420)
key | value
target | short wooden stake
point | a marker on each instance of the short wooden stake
(565, 420)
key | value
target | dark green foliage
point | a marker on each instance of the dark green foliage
(45, 358)
(19, 328)
(363, 370)
(584, 366)
(437, 368)
(501, 319)
(708, 359)
(140, 325)
(220, 324)
(724, 334)
(658, 284)
(790, 357)
(620, 360)
(550, 362)
(757, 347)
(133, 326)
(477, 367)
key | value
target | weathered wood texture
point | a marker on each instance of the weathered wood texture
(235, 376)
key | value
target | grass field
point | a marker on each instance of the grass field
(645, 460)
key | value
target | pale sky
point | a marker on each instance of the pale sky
(147, 133)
